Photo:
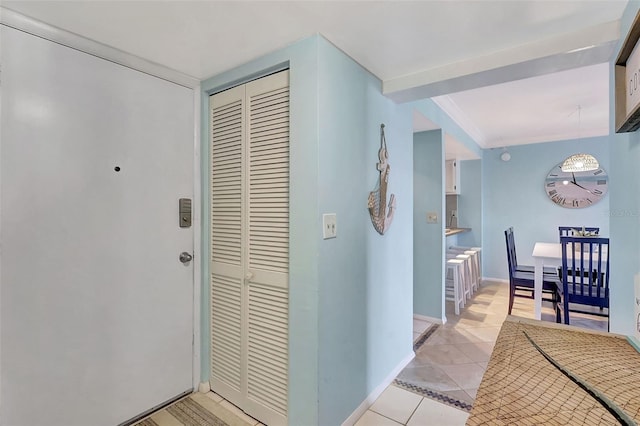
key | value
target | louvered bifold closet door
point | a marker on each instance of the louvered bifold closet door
(250, 247)
(267, 344)
(227, 236)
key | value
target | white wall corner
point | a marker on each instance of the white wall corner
(371, 398)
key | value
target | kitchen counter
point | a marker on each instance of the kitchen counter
(453, 231)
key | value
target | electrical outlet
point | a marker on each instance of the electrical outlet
(432, 217)
(329, 226)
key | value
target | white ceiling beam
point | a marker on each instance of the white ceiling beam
(581, 48)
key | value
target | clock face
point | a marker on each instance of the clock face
(576, 190)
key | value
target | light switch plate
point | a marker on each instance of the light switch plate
(432, 217)
(329, 226)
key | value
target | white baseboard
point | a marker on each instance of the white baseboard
(430, 319)
(204, 387)
(371, 398)
(499, 280)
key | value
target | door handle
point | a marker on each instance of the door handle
(185, 257)
(248, 276)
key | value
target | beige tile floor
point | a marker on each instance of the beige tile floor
(451, 362)
(454, 358)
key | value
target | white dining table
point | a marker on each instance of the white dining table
(545, 254)
(549, 254)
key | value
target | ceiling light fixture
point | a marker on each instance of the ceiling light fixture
(580, 163)
(505, 156)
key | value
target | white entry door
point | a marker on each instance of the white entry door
(96, 310)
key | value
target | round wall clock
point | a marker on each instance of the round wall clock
(576, 190)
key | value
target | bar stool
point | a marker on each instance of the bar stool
(479, 252)
(478, 260)
(473, 266)
(465, 274)
(470, 282)
(453, 286)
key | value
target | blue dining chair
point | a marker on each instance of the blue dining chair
(588, 289)
(567, 231)
(525, 268)
(521, 283)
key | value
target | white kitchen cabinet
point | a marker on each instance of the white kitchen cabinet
(452, 177)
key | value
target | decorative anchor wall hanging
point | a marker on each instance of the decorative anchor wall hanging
(378, 197)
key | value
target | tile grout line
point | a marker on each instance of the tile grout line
(414, 411)
(386, 417)
(480, 319)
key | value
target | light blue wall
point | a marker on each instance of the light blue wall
(624, 196)
(301, 58)
(625, 232)
(350, 297)
(428, 298)
(365, 279)
(470, 203)
(514, 195)
(428, 238)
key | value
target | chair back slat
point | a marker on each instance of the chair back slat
(514, 257)
(585, 270)
(567, 231)
(508, 236)
(511, 249)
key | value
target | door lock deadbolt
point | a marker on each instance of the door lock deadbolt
(185, 257)
(184, 212)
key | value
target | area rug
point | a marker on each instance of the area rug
(195, 410)
(543, 373)
(424, 391)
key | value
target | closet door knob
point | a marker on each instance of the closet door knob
(248, 276)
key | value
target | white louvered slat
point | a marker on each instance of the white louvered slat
(269, 165)
(226, 304)
(268, 251)
(226, 255)
(226, 182)
(267, 356)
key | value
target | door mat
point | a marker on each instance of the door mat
(195, 410)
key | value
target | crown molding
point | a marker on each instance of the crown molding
(448, 105)
(57, 35)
